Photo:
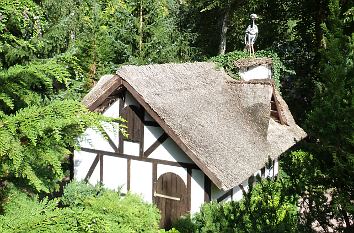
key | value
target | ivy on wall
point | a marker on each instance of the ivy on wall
(227, 62)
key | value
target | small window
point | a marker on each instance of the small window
(132, 114)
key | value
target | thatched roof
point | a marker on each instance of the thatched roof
(223, 125)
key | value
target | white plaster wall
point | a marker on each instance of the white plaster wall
(131, 148)
(268, 172)
(259, 172)
(197, 190)
(151, 134)
(82, 163)
(115, 173)
(237, 196)
(95, 177)
(216, 192)
(113, 110)
(180, 171)
(141, 179)
(112, 130)
(94, 139)
(130, 100)
(258, 72)
(169, 150)
(245, 185)
(276, 167)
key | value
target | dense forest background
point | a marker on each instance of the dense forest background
(52, 52)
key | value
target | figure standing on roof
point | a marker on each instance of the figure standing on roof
(251, 35)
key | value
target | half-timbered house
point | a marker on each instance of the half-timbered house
(195, 135)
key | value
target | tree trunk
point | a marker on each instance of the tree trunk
(224, 27)
(141, 28)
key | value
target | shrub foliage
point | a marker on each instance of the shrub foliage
(106, 212)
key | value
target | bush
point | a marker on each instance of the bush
(127, 213)
(77, 191)
(265, 208)
(89, 212)
(184, 224)
(28, 214)
(173, 230)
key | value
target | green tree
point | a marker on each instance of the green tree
(333, 105)
(37, 127)
(34, 142)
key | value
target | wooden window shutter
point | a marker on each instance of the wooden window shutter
(131, 114)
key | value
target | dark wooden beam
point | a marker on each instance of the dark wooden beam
(243, 189)
(71, 162)
(137, 158)
(189, 187)
(141, 125)
(101, 167)
(128, 174)
(110, 141)
(225, 195)
(92, 168)
(151, 123)
(207, 189)
(154, 179)
(158, 142)
(120, 137)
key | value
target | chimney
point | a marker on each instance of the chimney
(254, 68)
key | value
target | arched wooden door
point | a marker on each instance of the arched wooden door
(171, 198)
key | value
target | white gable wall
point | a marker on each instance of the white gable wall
(151, 134)
(95, 140)
(169, 151)
(113, 110)
(131, 148)
(130, 100)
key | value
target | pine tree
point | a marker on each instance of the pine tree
(331, 120)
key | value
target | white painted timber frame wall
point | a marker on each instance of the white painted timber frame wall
(128, 169)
